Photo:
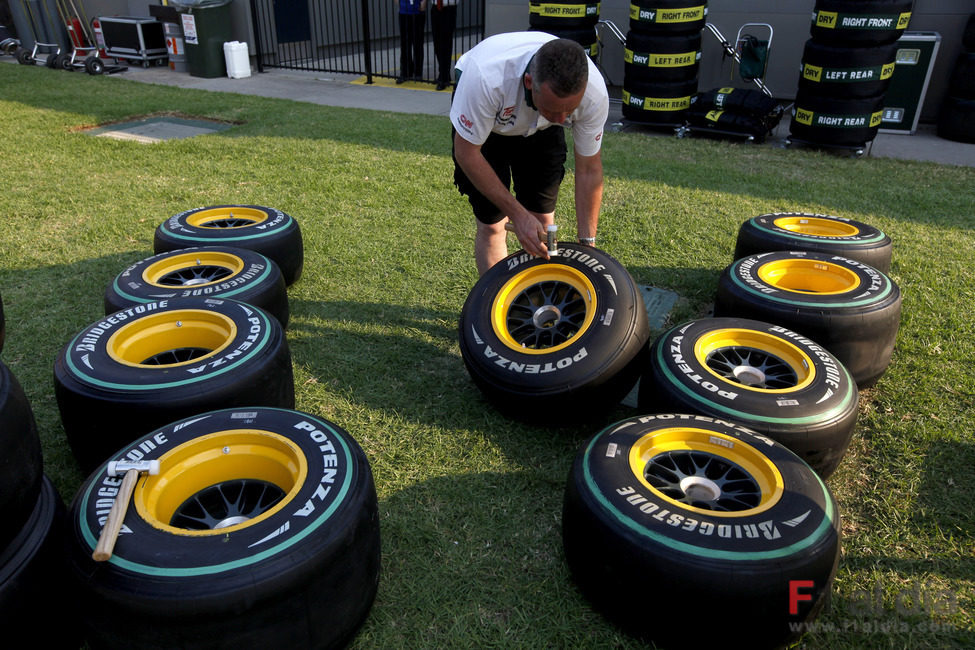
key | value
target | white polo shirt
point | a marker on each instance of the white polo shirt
(490, 94)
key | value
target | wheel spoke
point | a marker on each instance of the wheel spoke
(194, 275)
(752, 367)
(229, 222)
(545, 315)
(703, 480)
(226, 503)
(176, 355)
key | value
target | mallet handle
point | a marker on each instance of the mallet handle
(106, 541)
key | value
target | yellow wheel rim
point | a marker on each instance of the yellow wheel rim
(803, 275)
(543, 309)
(221, 482)
(706, 472)
(172, 338)
(197, 268)
(233, 216)
(755, 360)
(817, 226)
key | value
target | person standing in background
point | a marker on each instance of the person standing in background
(412, 20)
(443, 21)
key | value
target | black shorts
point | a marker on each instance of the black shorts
(536, 165)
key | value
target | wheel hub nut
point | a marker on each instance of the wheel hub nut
(546, 316)
(749, 375)
(698, 488)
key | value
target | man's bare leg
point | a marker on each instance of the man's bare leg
(491, 241)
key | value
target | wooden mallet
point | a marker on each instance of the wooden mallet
(106, 541)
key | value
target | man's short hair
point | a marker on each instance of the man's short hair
(561, 63)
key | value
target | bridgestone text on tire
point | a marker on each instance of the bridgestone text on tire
(208, 272)
(763, 376)
(555, 340)
(148, 365)
(669, 516)
(261, 530)
(848, 307)
(816, 233)
(268, 231)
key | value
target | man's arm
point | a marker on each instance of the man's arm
(589, 193)
(527, 228)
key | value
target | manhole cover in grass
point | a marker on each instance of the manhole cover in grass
(658, 303)
(157, 129)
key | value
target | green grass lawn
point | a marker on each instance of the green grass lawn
(470, 502)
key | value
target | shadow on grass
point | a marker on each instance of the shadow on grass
(45, 307)
(945, 494)
(413, 367)
(475, 560)
(916, 608)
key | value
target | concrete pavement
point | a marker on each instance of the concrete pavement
(413, 97)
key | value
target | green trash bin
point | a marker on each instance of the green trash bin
(206, 27)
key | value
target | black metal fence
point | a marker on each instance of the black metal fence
(348, 36)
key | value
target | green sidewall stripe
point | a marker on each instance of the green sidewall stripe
(737, 556)
(237, 238)
(175, 572)
(223, 294)
(741, 415)
(773, 231)
(869, 300)
(184, 382)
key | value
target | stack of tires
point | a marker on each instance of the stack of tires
(824, 276)
(572, 19)
(741, 112)
(845, 71)
(717, 496)
(260, 523)
(956, 121)
(661, 57)
(196, 327)
(804, 318)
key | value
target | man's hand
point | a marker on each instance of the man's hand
(530, 234)
(527, 226)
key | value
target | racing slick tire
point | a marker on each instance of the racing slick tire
(725, 536)
(817, 233)
(762, 376)
(668, 16)
(555, 340)
(848, 307)
(211, 271)
(146, 366)
(860, 23)
(269, 231)
(21, 463)
(554, 17)
(32, 576)
(260, 530)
